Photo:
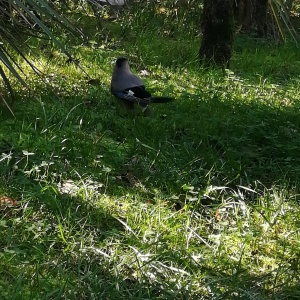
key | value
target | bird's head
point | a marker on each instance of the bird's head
(122, 63)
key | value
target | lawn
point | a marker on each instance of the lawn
(198, 201)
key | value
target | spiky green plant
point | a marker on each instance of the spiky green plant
(20, 20)
(281, 11)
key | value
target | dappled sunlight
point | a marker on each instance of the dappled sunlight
(200, 200)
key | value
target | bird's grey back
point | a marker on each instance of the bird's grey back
(123, 79)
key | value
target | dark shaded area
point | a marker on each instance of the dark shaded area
(251, 16)
(240, 142)
(218, 31)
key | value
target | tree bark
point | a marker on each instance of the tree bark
(218, 31)
(251, 16)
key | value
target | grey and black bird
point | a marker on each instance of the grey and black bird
(129, 88)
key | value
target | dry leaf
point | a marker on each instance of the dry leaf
(6, 205)
(7, 202)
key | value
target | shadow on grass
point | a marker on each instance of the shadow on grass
(53, 245)
(214, 139)
(205, 137)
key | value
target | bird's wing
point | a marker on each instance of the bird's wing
(136, 94)
(140, 95)
(131, 97)
(139, 92)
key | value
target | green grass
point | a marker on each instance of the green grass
(199, 201)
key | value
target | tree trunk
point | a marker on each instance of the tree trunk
(218, 31)
(251, 16)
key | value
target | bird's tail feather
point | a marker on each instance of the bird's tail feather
(158, 99)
